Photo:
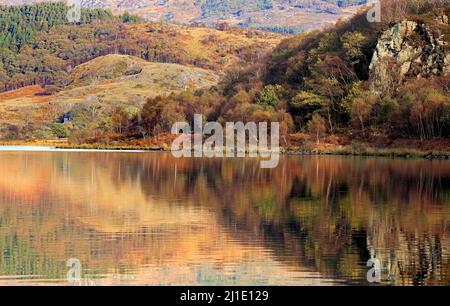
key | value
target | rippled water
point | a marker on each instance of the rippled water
(148, 218)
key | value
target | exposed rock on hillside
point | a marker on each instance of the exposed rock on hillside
(409, 49)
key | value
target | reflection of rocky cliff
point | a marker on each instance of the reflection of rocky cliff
(411, 49)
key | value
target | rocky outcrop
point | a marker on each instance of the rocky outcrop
(409, 49)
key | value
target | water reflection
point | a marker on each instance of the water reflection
(147, 218)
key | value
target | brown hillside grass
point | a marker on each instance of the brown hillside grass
(207, 47)
(34, 93)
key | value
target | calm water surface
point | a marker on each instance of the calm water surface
(148, 218)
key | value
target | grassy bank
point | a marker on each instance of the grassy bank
(309, 149)
(370, 151)
(112, 147)
(63, 144)
(38, 143)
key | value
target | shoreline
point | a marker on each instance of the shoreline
(405, 153)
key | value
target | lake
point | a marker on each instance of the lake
(148, 218)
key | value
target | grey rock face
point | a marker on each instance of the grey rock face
(409, 49)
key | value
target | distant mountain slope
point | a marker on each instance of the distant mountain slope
(269, 14)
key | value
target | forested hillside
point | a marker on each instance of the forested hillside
(331, 83)
(328, 82)
(49, 67)
(39, 47)
(26, 33)
(19, 24)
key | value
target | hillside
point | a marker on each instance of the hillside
(36, 54)
(107, 67)
(102, 84)
(122, 78)
(200, 46)
(356, 85)
(103, 65)
(357, 82)
(281, 15)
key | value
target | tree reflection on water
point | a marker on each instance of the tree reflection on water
(223, 221)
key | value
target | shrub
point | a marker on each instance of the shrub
(270, 95)
(316, 126)
(59, 130)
